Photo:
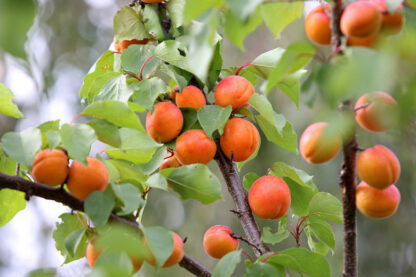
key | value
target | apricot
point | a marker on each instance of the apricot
(364, 42)
(378, 166)
(233, 90)
(165, 123)
(124, 44)
(377, 203)
(392, 23)
(83, 180)
(239, 140)
(194, 146)
(50, 167)
(269, 197)
(170, 161)
(175, 257)
(173, 93)
(319, 143)
(374, 111)
(318, 25)
(361, 19)
(190, 97)
(218, 241)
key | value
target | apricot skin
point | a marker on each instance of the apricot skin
(318, 144)
(170, 161)
(218, 241)
(269, 197)
(50, 167)
(378, 166)
(233, 90)
(361, 19)
(392, 23)
(190, 97)
(364, 42)
(124, 44)
(165, 123)
(173, 93)
(194, 146)
(83, 180)
(318, 25)
(240, 139)
(175, 257)
(375, 117)
(377, 203)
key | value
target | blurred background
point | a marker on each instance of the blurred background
(65, 39)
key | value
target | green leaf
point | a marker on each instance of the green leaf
(160, 241)
(227, 265)
(11, 202)
(190, 117)
(300, 196)
(7, 164)
(106, 132)
(176, 9)
(112, 263)
(73, 240)
(322, 231)
(158, 181)
(151, 22)
(215, 67)
(130, 196)
(278, 15)
(98, 206)
(115, 89)
(242, 9)
(115, 112)
(173, 52)
(290, 85)
(155, 162)
(193, 9)
(54, 139)
(284, 260)
(77, 140)
(94, 82)
(264, 63)
(114, 175)
(147, 92)
(263, 270)
(299, 176)
(22, 147)
(249, 179)
(264, 107)
(213, 117)
(326, 206)
(104, 64)
(134, 57)
(129, 173)
(7, 106)
(128, 25)
(309, 263)
(194, 182)
(69, 223)
(273, 238)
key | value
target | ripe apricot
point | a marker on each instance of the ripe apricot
(165, 123)
(50, 167)
(218, 241)
(361, 19)
(190, 97)
(318, 25)
(124, 44)
(233, 90)
(377, 203)
(374, 111)
(83, 180)
(173, 93)
(175, 257)
(378, 166)
(319, 143)
(239, 140)
(364, 42)
(194, 146)
(269, 197)
(170, 161)
(392, 23)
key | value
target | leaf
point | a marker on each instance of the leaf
(173, 52)
(263, 270)
(290, 85)
(115, 89)
(98, 206)
(249, 179)
(7, 106)
(194, 182)
(268, 237)
(112, 263)
(73, 240)
(11, 202)
(160, 242)
(22, 147)
(323, 232)
(158, 181)
(151, 22)
(129, 173)
(242, 8)
(227, 265)
(278, 15)
(299, 176)
(115, 112)
(130, 196)
(69, 223)
(176, 9)
(106, 132)
(77, 140)
(300, 197)
(190, 117)
(264, 107)
(213, 117)
(54, 139)
(7, 164)
(316, 246)
(309, 263)
(128, 25)
(326, 206)
(147, 92)
(155, 162)
(264, 63)
(94, 82)
(215, 67)
(193, 9)
(284, 260)
(134, 57)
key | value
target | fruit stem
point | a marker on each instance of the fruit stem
(241, 67)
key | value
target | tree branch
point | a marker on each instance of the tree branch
(239, 196)
(62, 196)
(335, 25)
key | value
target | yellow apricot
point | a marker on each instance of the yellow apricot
(318, 25)
(165, 123)
(218, 241)
(50, 167)
(361, 19)
(233, 90)
(194, 146)
(190, 97)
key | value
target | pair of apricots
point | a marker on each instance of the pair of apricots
(377, 167)
(92, 254)
(361, 22)
(51, 168)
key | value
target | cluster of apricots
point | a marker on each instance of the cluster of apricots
(51, 168)
(93, 253)
(377, 167)
(362, 22)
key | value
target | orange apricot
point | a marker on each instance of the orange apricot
(165, 123)
(194, 146)
(173, 93)
(83, 180)
(239, 140)
(124, 44)
(378, 166)
(269, 197)
(233, 90)
(170, 161)
(218, 241)
(376, 203)
(364, 42)
(190, 97)
(318, 25)
(361, 19)
(374, 111)
(392, 23)
(319, 143)
(175, 257)
(50, 167)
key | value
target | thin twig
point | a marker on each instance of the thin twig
(245, 240)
